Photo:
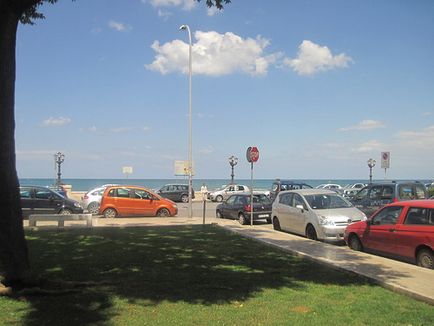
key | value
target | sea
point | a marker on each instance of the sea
(212, 184)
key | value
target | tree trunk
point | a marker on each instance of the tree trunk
(14, 262)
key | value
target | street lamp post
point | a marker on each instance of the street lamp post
(59, 158)
(233, 161)
(190, 150)
(371, 164)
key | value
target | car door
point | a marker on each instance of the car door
(299, 216)
(143, 203)
(380, 234)
(414, 228)
(122, 201)
(227, 205)
(284, 211)
(46, 201)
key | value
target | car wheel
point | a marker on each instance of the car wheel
(163, 212)
(218, 214)
(110, 213)
(242, 219)
(311, 233)
(219, 199)
(184, 198)
(425, 258)
(355, 243)
(65, 211)
(93, 208)
(276, 224)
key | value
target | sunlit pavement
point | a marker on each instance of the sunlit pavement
(400, 277)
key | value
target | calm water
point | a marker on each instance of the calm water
(87, 184)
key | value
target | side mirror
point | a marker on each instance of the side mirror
(301, 207)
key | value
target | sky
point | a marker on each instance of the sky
(319, 87)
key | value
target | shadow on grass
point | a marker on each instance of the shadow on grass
(148, 266)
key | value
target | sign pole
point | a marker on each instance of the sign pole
(251, 194)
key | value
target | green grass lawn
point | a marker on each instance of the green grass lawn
(194, 276)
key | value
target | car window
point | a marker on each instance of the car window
(241, 188)
(231, 200)
(362, 194)
(25, 192)
(375, 192)
(406, 192)
(261, 199)
(122, 193)
(419, 192)
(43, 194)
(420, 216)
(387, 192)
(141, 194)
(327, 201)
(285, 199)
(240, 200)
(231, 188)
(297, 200)
(164, 188)
(388, 215)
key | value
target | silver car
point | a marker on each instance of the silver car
(227, 191)
(92, 199)
(318, 214)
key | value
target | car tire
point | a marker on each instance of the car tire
(219, 199)
(218, 214)
(311, 232)
(93, 207)
(242, 219)
(276, 224)
(425, 258)
(355, 243)
(65, 211)
(184, 198)
(269, 220)
(163, 212)
(110, 213)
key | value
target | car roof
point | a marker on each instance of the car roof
(423, 203)
(291, 182)
(314, 191)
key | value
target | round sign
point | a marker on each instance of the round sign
(385, 156)
(252, 154)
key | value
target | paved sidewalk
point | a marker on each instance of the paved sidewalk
(400, 277)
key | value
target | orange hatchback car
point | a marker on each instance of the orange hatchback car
(134, 201)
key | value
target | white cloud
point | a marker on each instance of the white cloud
(146, 129)
(56, 122)
(185, 4)
(313, 58)
(207, 151)
(121, 129)
(213, 11)
(214, 54)
(426, 114)
(369, 146)
(119, 27)
(423, 138)
(164, 14)
(365, 125)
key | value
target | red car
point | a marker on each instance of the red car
(403, 229)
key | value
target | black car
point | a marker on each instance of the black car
(281, 185)
(176, 192)
(41, 200)
(375, 195)
(238, 207)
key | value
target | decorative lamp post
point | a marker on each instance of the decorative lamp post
(190, 150)
(59, 158)
(371, 164)
(233, 161)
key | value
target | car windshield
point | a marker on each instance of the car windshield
(327, 201)
(261, 199)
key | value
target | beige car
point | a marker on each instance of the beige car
(318, 214)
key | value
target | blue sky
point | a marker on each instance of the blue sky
(318, 86)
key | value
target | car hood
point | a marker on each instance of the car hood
(342, 214)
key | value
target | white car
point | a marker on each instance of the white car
(92, 199)
(352, 189)
(226, 191)
(318, 214)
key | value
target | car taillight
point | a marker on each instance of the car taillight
(86, 197)
(394, 200)
(247, 208)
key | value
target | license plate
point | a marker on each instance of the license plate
(263, 215)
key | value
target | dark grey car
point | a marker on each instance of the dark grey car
(175, 192)
(238, 207)
(41, 200)
(375, 195)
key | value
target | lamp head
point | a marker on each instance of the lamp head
(182, 27)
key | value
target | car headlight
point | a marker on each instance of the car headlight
(76, 204)
(325, 221)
